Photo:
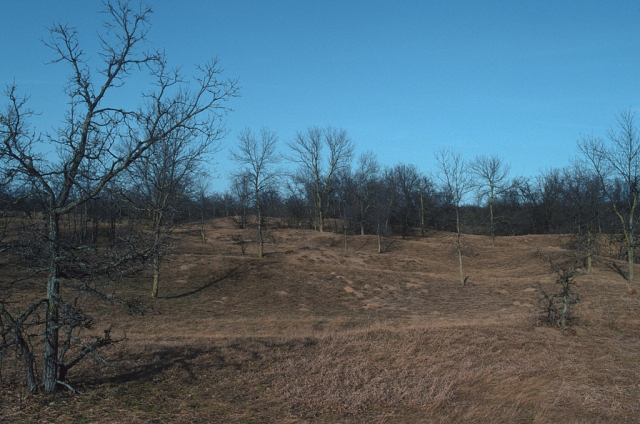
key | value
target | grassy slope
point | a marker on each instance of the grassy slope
(313, 333)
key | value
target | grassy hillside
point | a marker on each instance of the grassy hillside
(314, 333)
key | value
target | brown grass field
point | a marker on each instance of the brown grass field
(314, 333)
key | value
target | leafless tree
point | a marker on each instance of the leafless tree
(407, 179)
(258, 159)
(204, 203)
(555, 307)
(427, 193)
(239, 197)
(491, 173)
(617, 165)
(162, 178)
(365, 175)
(585, 199)
(98, 141)
(309, 150)
(457, 183)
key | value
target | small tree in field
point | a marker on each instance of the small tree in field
(586, 200)
(99, 140)
(163, 178)
(491, 173)
(456, 183)
(555, 307)
(258, 158)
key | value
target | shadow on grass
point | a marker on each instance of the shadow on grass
(194, 360)
(366, 242)
(233, 272)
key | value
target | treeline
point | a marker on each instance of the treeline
(363, 197)
(405, 201)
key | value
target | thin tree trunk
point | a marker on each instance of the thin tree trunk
(361, 218)
(260, 235)
(50, 357)
(630, 255)
(459, 246)
(156, 276)
(346, 243)
(84, 222)
(493, 228)
(28, 363)
(631, 241)
(320, 216)
(589, 249)
(157, 225)
(422, 226)
(565, 308)
(203, 236)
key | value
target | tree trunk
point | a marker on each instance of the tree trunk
(156, 276)
(50, 357)
(630, 255)
(84, 222)
(346, 243)
(28, 363)
(202, 234)
(422, 225)
(157, 225)
(462, 279)
(493, 228)
(589, 250)
(320, 216)
(459, 246)
(361, 218)
(260, 235)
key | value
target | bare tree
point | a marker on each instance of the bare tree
(407, 179)
(555, 307)
(586, 202)
(239, 198)
(99, 140)
(258, 159)
(204, 204)
(364, 178)
(427, 193)
(162, 178)
(617, 165)
(492, 173)
(457, 183)
(308, 150)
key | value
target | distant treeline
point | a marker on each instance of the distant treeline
(397, 200)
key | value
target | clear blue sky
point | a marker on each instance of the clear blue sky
(520, 79)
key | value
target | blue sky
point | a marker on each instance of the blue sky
(519, 79)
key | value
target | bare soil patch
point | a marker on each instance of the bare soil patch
(314, 333)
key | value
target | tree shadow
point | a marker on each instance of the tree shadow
(239, 355)
(233, 272)
(617, 269)
(366, 242)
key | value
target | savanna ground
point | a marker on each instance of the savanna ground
(314, 333)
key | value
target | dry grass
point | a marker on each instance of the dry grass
(313, 333)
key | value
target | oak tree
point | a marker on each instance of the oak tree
(101, 137)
